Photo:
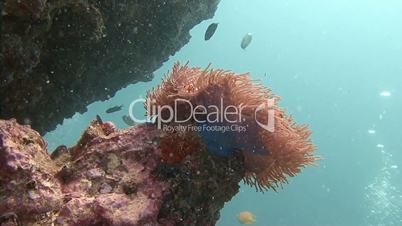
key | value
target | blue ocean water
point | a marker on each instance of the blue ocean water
(337, 64)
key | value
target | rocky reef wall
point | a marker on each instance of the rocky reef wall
(110, 177)
(58, 56)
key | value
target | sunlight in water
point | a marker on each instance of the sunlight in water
(385, 93)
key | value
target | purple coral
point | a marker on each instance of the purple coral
(111, 177)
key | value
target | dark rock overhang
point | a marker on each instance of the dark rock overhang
(58, 56)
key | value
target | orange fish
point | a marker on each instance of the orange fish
(246, 217)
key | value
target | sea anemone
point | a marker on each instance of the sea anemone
(273, 146)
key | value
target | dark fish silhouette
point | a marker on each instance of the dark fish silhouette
(114, 109)
(246, 40)
(128, 120)
(58, 151)
(98, 119)
(210, 31)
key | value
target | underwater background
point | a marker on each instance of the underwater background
(337, 64)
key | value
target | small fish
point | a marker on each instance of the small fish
(62, 149)
(246, 217)
(210, 31)
(99, 119)
(128, 120)
(246, 40)
(114, 109)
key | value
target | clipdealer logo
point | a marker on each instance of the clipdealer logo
(227, 117)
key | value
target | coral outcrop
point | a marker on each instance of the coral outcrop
(234, 114)
(58, 56)
(150, 175)
(110, 177)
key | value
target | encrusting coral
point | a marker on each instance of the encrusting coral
(110, 177)
(270, 156)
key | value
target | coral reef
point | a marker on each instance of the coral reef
(273, 145)
(111, 177)
(147, 175)
(58, 56)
